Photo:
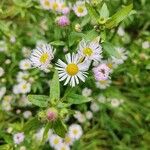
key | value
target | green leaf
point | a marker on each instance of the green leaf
(32, 124)
(77, 99)
(93, 14)
(60, 128)
(47, 127)
(109, 48)
(55, 87)
(39, 100)
(119, 16)
(57, 43)
(104, 12)
(6, 147)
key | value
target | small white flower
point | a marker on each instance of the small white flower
(68, 140)
(26, 52)
(72, 71)
(62, 146)
(75, 131)
(9, 130)
(89, 115)
(27, 114)
(1, 71)
(80, 9)
(122, 56)
(22, 76)
(90, 50)
(2, 92)
(115, 102)
(24, 101)
(24, 87)
(42, 56)
(103, 84)
(146, 45)
(101, 98)
(3, 46)
(6, 103)
(79, 116)
(12, 39)
(46, 4)
(94, 107)
(25, 64)
(86, 92)
(18, 138)
(56, 5)
(55, 140)
(121, 31)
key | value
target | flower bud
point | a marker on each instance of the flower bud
(42, 116)
(78, 27)
(52, 114)
(62, 21)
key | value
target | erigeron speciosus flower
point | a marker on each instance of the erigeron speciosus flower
(22, 76)
(101, 72)
(1, 71)
(86, 92)
(94, 107)
(103, 84)
(18, 138)
(42, 56)
(122, 56)
(89, 115)
(62, 146)
(75, 131)
(90, 50)
(62, 21)
(73, 71)
(80, 9)
(24, 87)
(68, 140)
(80, 117)
(25, 64)
(55, 140)
(27, 114)
(46, 4)
(56, 5)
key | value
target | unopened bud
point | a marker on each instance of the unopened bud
(78, 27)
(52, 114)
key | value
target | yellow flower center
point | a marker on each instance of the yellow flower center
(47, 3)
(63, 148)
(24, 86)
(80, 9)
(56, 141)
(87, 51)
(72, 69)
(75, 131)
(43, 58)
(110, 65)
(55, 5)
(67, 139)
(103, 81)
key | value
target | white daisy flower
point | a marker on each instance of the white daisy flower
(2, 92)
(27, 114)
(101, 98)
(18, 138)
(103, 84)
(55, 140)
(62, 146)
(46, 4)
(94, 107)
(68, 140)
(42, 56)
(25, 64)
(56, 5)
(26, 51)
(90, 50)
(80, 117)
(72, 71)
(75, 131)
(80, 9)
(24, 87)
(86, 92)
(146, 44)
(89, 115)
(115, 102)
(122, 56)
(121, 31)
(22, 76)
(1, 71)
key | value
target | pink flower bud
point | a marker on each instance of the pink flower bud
(52, 114)
(62, 21)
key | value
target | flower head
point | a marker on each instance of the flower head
(55, 140)
(62, 146)
(52, 114)
(72, 71)
(18, 138)
(80, 9)
(42, 56)
(46, 4)
(101, 72)
(91, 50)
(103, 84)
(25, 64)
(62, 21)
(75, 131)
